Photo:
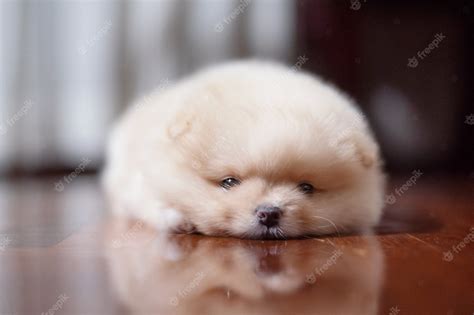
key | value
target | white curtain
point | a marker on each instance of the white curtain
(68, 68)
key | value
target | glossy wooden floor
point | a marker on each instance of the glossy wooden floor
(59, 253)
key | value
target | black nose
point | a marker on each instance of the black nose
(268, 215)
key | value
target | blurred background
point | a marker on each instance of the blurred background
(69, 68)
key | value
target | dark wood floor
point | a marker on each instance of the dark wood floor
(59, 252)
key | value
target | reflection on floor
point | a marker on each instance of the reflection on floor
(59, 252)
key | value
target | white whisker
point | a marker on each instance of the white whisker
(332, 223)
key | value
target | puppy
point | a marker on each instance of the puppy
(248, 149)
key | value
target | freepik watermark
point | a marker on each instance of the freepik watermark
(347, 131)
(148, 99)
(469, 119)
(297, 66)
(101, 33)
(219, 27)
(67, 179)
(174, 301)
(62, 299)
(126, 237)
(300, 61)
(394, 310)
(456, 249)
(341, 137)
(356, 5)
(414, 61)
(23, 111)
(399, 191)
(5, 240)
(311, 278)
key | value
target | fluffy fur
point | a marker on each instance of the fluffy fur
(268, 126)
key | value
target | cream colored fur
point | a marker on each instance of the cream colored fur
(270, 127)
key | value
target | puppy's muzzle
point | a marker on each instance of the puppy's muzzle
(268, 215)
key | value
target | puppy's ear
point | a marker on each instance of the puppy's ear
(187, 119)
(180, 125)
(359, 146)
(366, 150)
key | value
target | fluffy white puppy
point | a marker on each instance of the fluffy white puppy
(247, 149)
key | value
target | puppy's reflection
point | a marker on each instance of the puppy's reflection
(192, 274)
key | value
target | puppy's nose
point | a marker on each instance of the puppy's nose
(268, 215)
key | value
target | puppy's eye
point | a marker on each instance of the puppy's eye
(306, 188)
(229, 182)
